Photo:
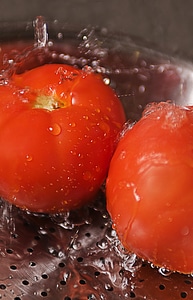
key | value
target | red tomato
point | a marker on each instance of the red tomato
(150, 187)
(58, 129)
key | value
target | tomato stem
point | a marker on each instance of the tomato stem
(49, 102)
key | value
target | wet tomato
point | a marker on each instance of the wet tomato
(58, 129)
(150, 190)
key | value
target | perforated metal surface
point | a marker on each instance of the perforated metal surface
(78, 255)
(46, 257)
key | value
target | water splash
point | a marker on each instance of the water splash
(7, 217)
(40, 32)
(126, 127)
(8, 230)
(72, 219)
(118, 262)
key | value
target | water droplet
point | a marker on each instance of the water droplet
(66, 276)
(97, 110)
(185, 230)
(36, 278)
(42, 231)
(91, 189)
(102, 244)
(97, 169)
(122, 154)
(135, 70)
(165, 272)
(52, 251)
(86, 175)
(76, 246)
(141, 89)
(136, 195)
(108, 287)
(161, 69)
(61, 254)
(152, 266)
(60, 35)
(55, 129)
(72, 124)
(106, 81)
(92, 297)
(29, 157)
(104, 126)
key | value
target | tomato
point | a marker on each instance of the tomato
(58, 130)
(150, 187)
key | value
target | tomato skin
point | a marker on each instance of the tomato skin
(55, 158)
(74, 87)
(149, 187)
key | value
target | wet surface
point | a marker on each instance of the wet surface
(77, 257)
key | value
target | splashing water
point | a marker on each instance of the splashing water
(40, 32)
(135, 83)
(7, 216)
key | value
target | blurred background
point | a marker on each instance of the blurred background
(166, 25)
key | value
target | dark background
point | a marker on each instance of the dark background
(168, 24)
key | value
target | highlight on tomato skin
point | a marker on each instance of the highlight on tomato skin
(149, 187)
(58, 130)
